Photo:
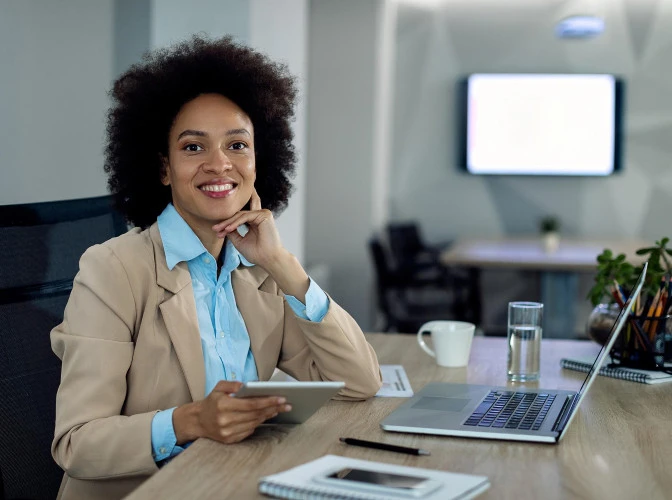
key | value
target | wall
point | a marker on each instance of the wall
(347, 143)
(280, 29)
(175, 20)
(439, 43)
(56, 60)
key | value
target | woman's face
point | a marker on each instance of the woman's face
(210, 166)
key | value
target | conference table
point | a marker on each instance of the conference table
(618, 446)
(559, 269)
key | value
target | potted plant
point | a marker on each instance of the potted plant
(615, 269)
(549, 227)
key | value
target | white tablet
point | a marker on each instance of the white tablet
(305, 397)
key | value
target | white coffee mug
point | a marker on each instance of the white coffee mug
(451, 341)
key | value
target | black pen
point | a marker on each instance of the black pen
(383, 446)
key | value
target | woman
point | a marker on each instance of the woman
(164, 322)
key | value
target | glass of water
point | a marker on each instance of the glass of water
(524, 336)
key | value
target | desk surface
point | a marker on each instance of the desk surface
(573, 254)
(618, 446)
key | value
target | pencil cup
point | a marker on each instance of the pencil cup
(524, 338)
(451, 341)
(645, 343)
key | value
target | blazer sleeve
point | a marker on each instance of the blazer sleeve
(332, 349)
(95, 344)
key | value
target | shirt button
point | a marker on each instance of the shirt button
(206, 260)
(221, 335)
(233, 375)
(162, 450)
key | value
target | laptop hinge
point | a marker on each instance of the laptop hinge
(565, 412)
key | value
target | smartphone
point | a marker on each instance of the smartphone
(384, 483)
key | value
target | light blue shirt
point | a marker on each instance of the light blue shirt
(224, 337)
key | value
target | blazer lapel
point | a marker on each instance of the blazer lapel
(263, 315)
(180, 317)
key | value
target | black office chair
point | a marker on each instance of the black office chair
(40, 247)
(405, 304)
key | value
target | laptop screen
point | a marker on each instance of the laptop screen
(606, 348)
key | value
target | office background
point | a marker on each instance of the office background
(375, 126)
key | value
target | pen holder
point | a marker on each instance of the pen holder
(644, 343)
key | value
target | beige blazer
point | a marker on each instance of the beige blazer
(130, 346)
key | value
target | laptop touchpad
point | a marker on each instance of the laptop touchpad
(441, 404)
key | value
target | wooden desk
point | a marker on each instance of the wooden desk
(618, 446)
(559, 280)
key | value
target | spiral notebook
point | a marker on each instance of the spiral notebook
(300, 482)
(620, 372)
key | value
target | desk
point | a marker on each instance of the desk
(559, 280)
(618, 446)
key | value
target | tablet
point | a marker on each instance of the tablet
(305, 397)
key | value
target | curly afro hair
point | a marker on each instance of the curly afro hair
(147, 98)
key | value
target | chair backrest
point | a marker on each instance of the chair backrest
(379, 260)
(384, 273)
(40, 247)
(405, 240)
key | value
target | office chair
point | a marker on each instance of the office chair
(405, 304)
(40, 247)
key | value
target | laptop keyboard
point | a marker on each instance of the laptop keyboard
(512, 410)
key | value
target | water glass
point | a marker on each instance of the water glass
(524, 338)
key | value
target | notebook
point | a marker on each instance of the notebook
(621, 372)
(302, 482)
(518, 413)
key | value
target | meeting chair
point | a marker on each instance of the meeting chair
(406, 304)
(40, 247)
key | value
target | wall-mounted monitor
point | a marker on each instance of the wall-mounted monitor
(541, 124)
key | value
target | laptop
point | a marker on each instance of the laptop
(514, 414)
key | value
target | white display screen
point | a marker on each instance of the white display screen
(536, 124)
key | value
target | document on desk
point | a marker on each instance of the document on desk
(395, 382)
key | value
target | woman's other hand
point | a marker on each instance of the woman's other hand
(224, 418)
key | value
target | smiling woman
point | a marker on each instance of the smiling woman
(165, 322)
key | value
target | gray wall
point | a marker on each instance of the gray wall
(56, 63)
(132, 19)
(340, 204)
(175, 20)
(438, 45)
(280, 30)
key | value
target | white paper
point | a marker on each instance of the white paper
(395, 382)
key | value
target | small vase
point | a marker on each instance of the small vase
(601, 321)
(551, 241)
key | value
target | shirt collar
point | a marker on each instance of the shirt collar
(181, 244)
(233, 258)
